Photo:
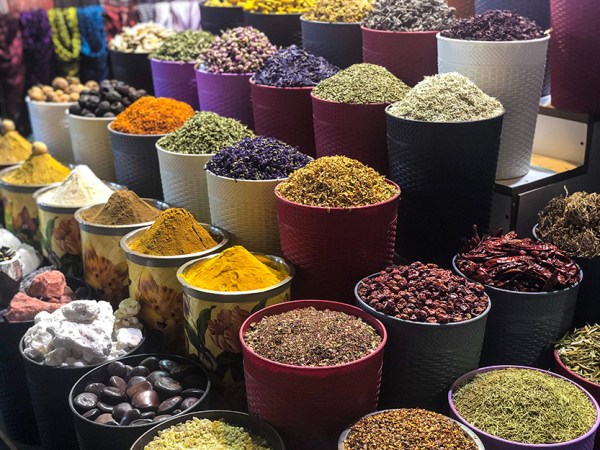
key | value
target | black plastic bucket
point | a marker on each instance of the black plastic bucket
(219, 18)
(282, 30)
(339, 43)
(133, 69)
(447, 173)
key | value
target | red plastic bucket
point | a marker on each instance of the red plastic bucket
(310, 406)
(333, 248)
(410, 55)
(284, 113)
(176, 80)
(356, 131)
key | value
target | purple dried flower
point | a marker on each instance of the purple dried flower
(495, 25)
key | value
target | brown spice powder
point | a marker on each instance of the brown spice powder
(122, 208)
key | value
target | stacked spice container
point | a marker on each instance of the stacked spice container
(219, 15)
(278, 19)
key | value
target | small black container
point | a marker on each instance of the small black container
(447, 173)
(219, 18)
(251, 423)
(339, 43)
(282, 30)
(133, 69)
(94, 436)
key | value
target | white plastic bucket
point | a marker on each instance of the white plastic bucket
(50, 125)
(91, 144)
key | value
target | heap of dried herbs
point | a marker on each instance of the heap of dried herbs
(580, 352)
(495, 25)
(410, 15)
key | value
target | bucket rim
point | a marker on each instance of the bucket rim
(279, 88)
(404, 119)
(399, 33)
(546, 38)
(134, 136)
(322, 22)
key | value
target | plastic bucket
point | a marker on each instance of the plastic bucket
(585, 442)
(103, 259)
(285, 114)
(50, 126)
(247, 209)
(49, 387)
(356, 131)
(410, 55)
(95, 436)
(434, 354)
(513, 72)
(176, 80)
(91, 144)
(447, 173)
(310, 405)
(227, 94)
(338, 42)
(523, 327)
(132, 68)
(184, 182)
(282, 30)
(464, 8)
(251, 423)
(136, 162)
(332, 248)
(217, 18)
(153, 283)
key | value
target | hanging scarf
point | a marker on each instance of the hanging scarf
(117, 17)
(94, 61)
(12, 69)
(37, 46)
(147, 12)
(66, 39)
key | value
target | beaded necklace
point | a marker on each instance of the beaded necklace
(66, 37)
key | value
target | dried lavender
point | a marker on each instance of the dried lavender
(495, 25)
(448, 97)
(336, 11)
(313, 338)
(237, 50)
(294, 67)
(183, 46)
(410, 15)
(260, 158)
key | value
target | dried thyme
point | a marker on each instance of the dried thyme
(527, 406)
(362, 84)
(346, 11)
(580, 352)
(312, 338)
(448, 97)
(183, 46)
(336, 182)
(410, 15)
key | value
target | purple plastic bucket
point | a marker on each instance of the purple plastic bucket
(585, 442)
(176, 80)
(339, 43)
(227, 94)
(282, 30)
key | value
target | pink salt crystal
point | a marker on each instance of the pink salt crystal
(23, 308)
(48, 284)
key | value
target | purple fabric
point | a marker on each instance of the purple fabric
(37, 46)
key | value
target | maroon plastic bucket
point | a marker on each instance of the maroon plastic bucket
(227, 94)
(284, 113)
(575, 49)
(215, 19)
(333, 248)
(340, 43)
(310, 406)
(282, 30)
(176, 80)
(585, 442)
(410, 55)
(352, 130)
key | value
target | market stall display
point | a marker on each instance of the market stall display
(278, 19)
(220, 15)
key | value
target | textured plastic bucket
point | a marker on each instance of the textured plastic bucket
(523, 327)
(176, 80)
(410, 55)
(136, 162)
(251, 423)
(339, 43)
(183, 180)
(247, 209)
(575, 55)
(95, 436)
(356, 131)
(585, 442)
(49, 388)
(310, 405)
(285, 114)
(464, 8)
(332, 248)
(227, 94)
(50, 126)
(217, 18)
(434, 354)
(513, 72)
(132, 68)
(91, 144)
(447, 173)
(282, 30)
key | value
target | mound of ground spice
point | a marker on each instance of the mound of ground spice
(175, 232)
(40, 168)
(151, 115)
(122, 208)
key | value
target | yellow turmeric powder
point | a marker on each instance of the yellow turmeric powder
(40, 168)
(233, 270)
(175, 232)
(14, 148)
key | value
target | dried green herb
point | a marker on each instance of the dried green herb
(205, 133)
(527, 406)
(336, 182)
(448, 97)
(572, 223)
(580, 352)
(410, 15)
(361, 84)
(183, 46)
